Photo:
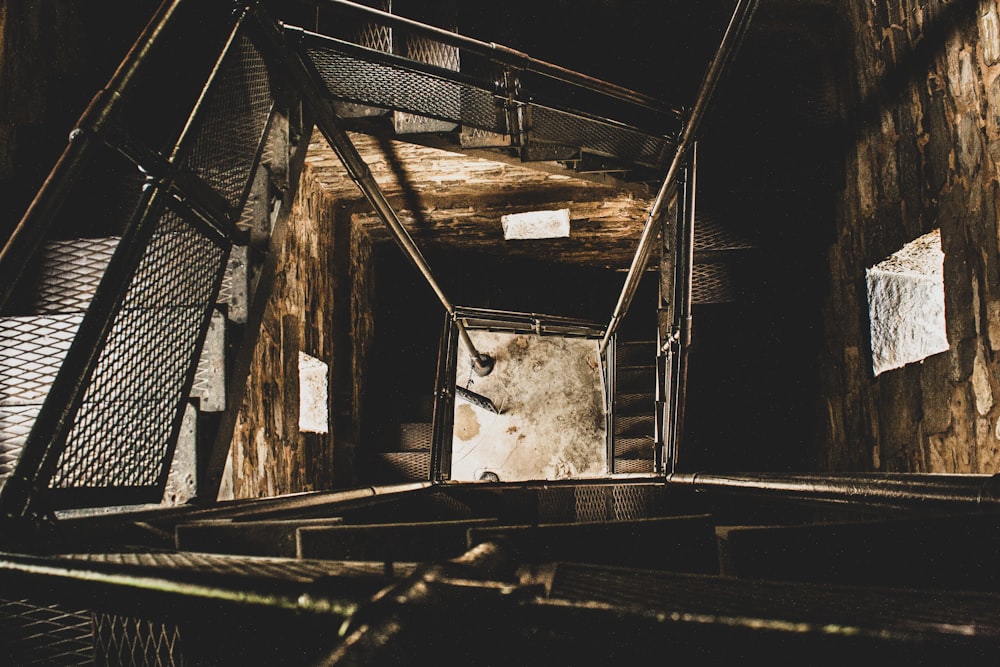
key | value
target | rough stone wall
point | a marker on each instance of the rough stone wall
(922, 149)
(270, 455)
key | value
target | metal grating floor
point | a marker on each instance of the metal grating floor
(34, 634)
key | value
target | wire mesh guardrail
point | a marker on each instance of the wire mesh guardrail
(422, 76)
(97, 358)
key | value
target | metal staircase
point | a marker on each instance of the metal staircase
(100, 341)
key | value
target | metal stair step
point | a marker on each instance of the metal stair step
(402, 466)
(635, 404)
(630, 465)
(633, 425)
(405, 542)
(276, 537)
(32, 349)
(635, 379)
(69, 271)
(634, 448)
(680, 543)
(415, 436)
(958, 552)
(635, 353)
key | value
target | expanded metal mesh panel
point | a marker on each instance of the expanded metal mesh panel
(556, 505)
(591, 503)
(634, 403)
(596, 502)
(743, 599)
(415, 465)
(397, 87)
(710, 235)
(33, 634)
(635, 425)
(31, 351)
(634, 448)
(376, 36)
(366, 33)
(634, 466)
(121, 434)
(630, 501)
(233, 122)
(70, 273)
(424, 50)
(598, 137)
(712, 283)
(123, 640)
(15, 425)
(283, 569)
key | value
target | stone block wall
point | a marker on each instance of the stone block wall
(922, 150)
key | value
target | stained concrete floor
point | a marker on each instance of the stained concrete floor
(551, 423)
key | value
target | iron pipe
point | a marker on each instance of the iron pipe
(860, 488)
(738, 24)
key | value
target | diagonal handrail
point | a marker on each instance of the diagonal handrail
(738, 24)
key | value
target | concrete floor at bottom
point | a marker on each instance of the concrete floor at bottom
(551, 422)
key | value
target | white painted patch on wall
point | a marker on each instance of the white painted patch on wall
(313, 393)
(906, 304)
(536, 225)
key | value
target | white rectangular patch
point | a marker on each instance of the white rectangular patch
(536, 225)
(313, 394)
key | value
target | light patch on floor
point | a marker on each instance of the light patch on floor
(551, 423)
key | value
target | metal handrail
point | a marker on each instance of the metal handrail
(738, 24)
(507, 56)
(30, 232)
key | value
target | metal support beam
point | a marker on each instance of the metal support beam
(329, 125)
(738, 24)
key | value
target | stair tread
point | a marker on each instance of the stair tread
(946, 551)
(275, 537)
(635, 426)
(679, 543)
(415, 436)
(634, 466)
(422, 541)
(634, 448)
(402, 465)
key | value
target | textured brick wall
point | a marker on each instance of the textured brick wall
(923, 145)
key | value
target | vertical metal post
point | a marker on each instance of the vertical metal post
(684, 317)
(329, 125)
